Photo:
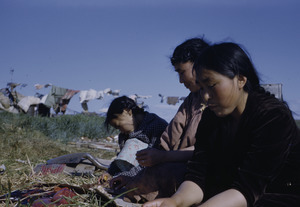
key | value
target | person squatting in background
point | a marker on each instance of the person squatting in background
(247, 151)
(134, 123)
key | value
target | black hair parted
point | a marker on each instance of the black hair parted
(188, 50)
(231, 60)
(118, 105)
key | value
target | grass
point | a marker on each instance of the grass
(63, 128)
(26, 141)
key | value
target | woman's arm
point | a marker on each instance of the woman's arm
(189, 193)
(178, 155)
(191, 148)
(151, 156)
(228, 198)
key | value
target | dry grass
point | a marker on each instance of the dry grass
(20, 177)
(22, 149)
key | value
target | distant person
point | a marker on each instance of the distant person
(247, 152)
(134, 123)
(166, 166)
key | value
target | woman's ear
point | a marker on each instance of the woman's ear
(128, 111)
(242, 80)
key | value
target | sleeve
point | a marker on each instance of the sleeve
(154, 130)
(271, 134)
(132, 172)
(197, 167)
(171, 137)
(173, 132)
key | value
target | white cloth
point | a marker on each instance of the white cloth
(44, 98)
(128, 153)
(85, 96)
(27, 101)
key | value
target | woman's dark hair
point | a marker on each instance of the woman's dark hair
(188, 51)
(231, 60)
(118, 105)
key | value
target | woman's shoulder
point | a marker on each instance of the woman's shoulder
(154, 119)
(264, 102)
(193, 103)
(265, 107)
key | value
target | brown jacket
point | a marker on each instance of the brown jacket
(181, 131)
(163, 179)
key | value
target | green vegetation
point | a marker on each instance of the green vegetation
(41, 138)
(63, 128)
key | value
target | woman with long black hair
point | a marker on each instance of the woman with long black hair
(247, 151)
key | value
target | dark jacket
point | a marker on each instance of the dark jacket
(258, 157)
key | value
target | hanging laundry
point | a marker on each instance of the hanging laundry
(107, 91)
(91, 94)
(162, 98)
(182, 98)
(13, 85)
(5, 100)
(40, 86)
(54, 97)
(87, 95)
(66, 99)
(172, 100)
(135, 97)
(27, 101)
(23, 85)
(115, 93)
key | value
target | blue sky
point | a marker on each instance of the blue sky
(126, 44)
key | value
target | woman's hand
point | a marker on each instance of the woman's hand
(149, 157)
(162, 202)
(118, 182)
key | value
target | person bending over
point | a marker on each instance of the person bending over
(134, 123)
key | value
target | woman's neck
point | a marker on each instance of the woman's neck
(241, 106)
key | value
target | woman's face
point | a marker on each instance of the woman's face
(187, 75)
(224, 96)
(124, 122)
